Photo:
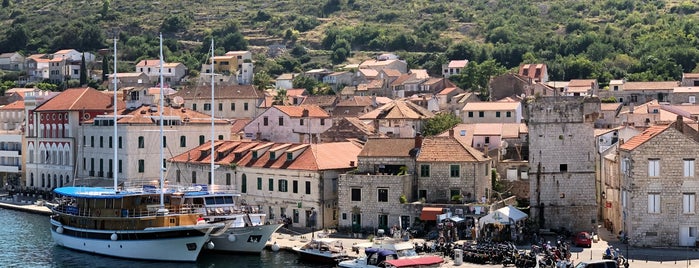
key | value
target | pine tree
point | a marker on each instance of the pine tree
(5, 3)
(83, 71)
(105, 67)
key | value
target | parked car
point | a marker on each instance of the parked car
(582, 239)
(597, 264)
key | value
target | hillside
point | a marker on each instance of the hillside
(632, 39)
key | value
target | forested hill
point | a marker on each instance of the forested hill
(632, 39)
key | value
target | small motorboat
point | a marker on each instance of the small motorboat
(325, 250)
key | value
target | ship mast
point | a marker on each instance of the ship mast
(211, 179)
(114, 140)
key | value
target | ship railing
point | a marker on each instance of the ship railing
(128, 213)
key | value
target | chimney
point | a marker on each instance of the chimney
(631, 108)
(451, 132)
(485, 149)
(679, 125)
(418, 140)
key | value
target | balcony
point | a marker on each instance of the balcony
(100, 174)
(91, 173)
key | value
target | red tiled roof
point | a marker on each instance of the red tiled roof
(663, 85)
(297, 111)
(392, 72)
(335, 155)
(645, 136)
(17, 105)
(447, 149)
(581, 82)
(78, 99)
(457, 64)
(395, 147)
(239, 124)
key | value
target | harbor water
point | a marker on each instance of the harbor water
(26, 242)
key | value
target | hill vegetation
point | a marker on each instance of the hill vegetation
(612, 39)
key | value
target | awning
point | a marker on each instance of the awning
(416, 262)
(430, 213)
(506, 215)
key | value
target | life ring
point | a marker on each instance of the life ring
(98, 213)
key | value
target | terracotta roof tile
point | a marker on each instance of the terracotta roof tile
(457, 64)
(297, 111)
(395, 147)
(314, 157)
(17, 105)
(581, 82)
(239, 124)
(78, 99)
(398, 109)
(663, 85)
(320, 100)
(645, 136)
(447, 149)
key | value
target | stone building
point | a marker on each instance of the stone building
(562, 160)
(659, 186)
(449, 170)
(394, 173)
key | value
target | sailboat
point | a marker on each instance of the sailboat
(145, 223)
(247, 230)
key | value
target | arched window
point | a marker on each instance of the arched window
(43, 180)
(31, 179)
(61, 181)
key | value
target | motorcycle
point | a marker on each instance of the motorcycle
(615, 254)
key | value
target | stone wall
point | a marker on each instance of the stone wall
(369, 208)
(660, 229)
(562, 158)
(473, 180)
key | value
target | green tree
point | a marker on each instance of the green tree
(5, 85)
(5, 3)
(105, 8)
(476, 76)
(302, 81)
(175, 23)
(105, 68)
(83, 71)
(280, 98)
(262, 81)
(440, 123)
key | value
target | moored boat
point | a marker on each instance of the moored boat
(247, 228)
(325, 250)
(377, 255)
(143, 223)
(124, 223)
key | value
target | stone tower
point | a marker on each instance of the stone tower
(562, 160)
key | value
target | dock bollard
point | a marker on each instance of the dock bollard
(458, 257)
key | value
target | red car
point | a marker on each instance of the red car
(582, 239)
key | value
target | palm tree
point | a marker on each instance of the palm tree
(280, 98)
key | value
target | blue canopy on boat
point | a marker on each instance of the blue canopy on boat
(94, 192)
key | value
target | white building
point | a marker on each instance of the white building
(173, 72)
(295, 180)
(289, 124)
(51, 133)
